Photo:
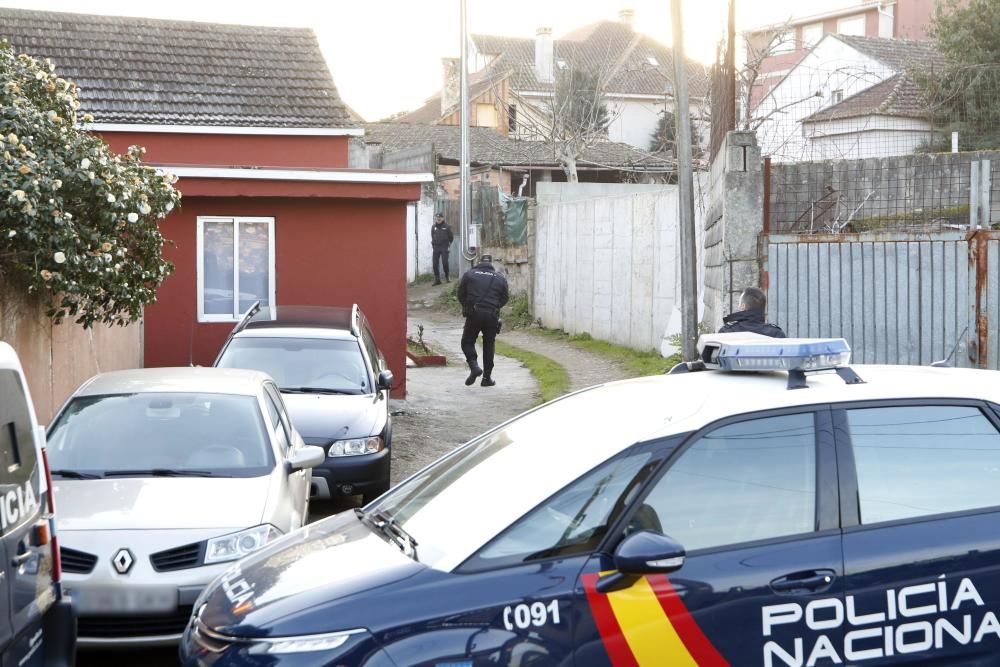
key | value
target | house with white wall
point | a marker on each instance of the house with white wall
(848, 98)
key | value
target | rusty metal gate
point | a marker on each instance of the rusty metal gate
(897, 298)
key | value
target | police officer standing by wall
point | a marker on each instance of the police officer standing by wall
(441, 238)
(751, 316)
(482, 293)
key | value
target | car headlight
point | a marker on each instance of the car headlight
(356, 446)
(237, 545)
(304, 643)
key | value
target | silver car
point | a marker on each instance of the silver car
(163, 477)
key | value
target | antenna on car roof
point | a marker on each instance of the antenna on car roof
(191, 346)
(946, 362)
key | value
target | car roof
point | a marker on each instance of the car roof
(689, 401)
(175, 380)
(310, 317)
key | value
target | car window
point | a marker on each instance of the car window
(217, 433)
(302, 363)
(747, 481)
(17, 439)
(575, 520)
(920, 460)
(274, 414)
(369, 342)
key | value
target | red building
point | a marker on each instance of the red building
(250, 121)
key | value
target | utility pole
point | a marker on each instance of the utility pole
(464, 197)
(685, 181)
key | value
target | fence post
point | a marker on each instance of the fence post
(984, 194)
(974, 185)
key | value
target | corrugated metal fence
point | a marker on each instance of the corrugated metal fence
(896, 298)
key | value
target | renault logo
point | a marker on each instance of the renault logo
(123, 561)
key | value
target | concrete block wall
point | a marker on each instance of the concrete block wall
(733, 224)
(58, 358)
(609, 266)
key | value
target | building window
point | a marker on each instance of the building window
(512, 119)
(852, 25)
(486, 115)
(836, 96)
(811, 34)
(783, 42)
(235, 266)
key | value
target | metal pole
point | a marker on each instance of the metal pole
(685, 180)
(464, 198)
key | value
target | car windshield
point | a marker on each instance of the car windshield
(166, 434)
(458, 504)
(320, 364)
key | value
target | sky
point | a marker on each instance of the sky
(385, 55)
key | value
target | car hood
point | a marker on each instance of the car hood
(136, 503)
(335, 417)
(279, 591)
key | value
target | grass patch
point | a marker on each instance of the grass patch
(423, 279)
(553, 380)
(517, 313)
(635, 363)
(447, 300)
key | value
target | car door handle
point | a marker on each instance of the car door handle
(20, 559)
(813, 580)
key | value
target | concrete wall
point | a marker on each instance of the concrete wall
(930, 187)
(518, 262)
(58, 358)
(733, 223)
(609, 266)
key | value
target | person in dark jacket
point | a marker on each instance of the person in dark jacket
(482, 292)
(750, 316)
(441, 239)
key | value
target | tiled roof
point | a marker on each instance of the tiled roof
(609, 48)
(897, 54)
(153, 71)
(896, 96)
(491, 148)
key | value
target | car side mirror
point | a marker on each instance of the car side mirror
(385, 380)
(305, 457)
(644, 552)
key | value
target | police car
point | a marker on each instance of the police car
(808, 513)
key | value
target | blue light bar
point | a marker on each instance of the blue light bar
(752, 352)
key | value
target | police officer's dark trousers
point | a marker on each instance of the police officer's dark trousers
(485, 323)
(440, 255)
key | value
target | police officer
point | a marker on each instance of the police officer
(441, 239)
(482, 293)
(750, 316)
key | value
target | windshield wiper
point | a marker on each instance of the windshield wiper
(75, 474)
(317, 390)
(160, 472)
(386, 525)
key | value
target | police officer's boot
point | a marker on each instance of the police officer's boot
(488, 381)
(474, 372)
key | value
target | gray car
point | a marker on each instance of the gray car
(163, 478)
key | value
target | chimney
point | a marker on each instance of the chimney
(543, 55)
(626, 17)
(451, 69)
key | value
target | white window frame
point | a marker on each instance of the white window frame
(236, 220)
(808, 43)
(783, 42)
(863, 19)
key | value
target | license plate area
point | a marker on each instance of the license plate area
(116, 600)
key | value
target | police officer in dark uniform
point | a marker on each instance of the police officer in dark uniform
(482, 293)
(750, 316)
(441, 238)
